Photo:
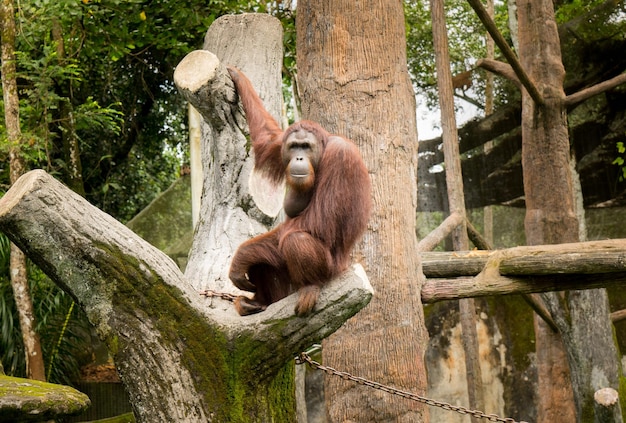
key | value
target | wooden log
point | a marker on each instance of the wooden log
(477, 238)
(537, 304)
(454, 264)
(431, 240)
(480, 286)
(618, 316)
(593, 257)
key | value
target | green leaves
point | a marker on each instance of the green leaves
(91, 116)
(621, 160)
(63, 329)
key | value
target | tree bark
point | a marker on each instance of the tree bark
(182, 358)
(353, 80)
(581, 316)
(456, 199)
(17, 263)
(253, 43)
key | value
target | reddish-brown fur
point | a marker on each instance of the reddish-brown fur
(308, 250)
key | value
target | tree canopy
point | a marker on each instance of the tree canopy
(100, 72)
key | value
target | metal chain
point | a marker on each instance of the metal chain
(305, 358)
(223, 295)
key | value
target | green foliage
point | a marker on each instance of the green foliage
(571, 9)
(466, 43)
(620, 160)
(11, 347)
(100, 72)
(62, 327)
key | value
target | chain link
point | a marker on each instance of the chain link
(223, 295)
(305, 358)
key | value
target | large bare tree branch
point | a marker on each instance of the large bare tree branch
(499, 68)
(582, 95)
(135, 296)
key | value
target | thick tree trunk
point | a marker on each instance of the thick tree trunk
(183, 358)
(17, 265)
(581, 316)
(353, 80)
(253, 43)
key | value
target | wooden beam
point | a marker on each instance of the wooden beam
(523, 270)
(467, 287)
(590, 257)
(430, 241)
(582, 95)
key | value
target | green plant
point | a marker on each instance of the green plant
(63, 329)
(621, 159)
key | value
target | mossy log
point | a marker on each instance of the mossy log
(26, 400)
(180, 359)
(559, 267)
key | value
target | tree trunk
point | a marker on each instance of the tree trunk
(67, 127)
(456, 199)
(19, 277)
(253, 43)
(182, 358)
(581, 316)
(353, 80)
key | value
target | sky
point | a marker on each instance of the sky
(429, 121)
